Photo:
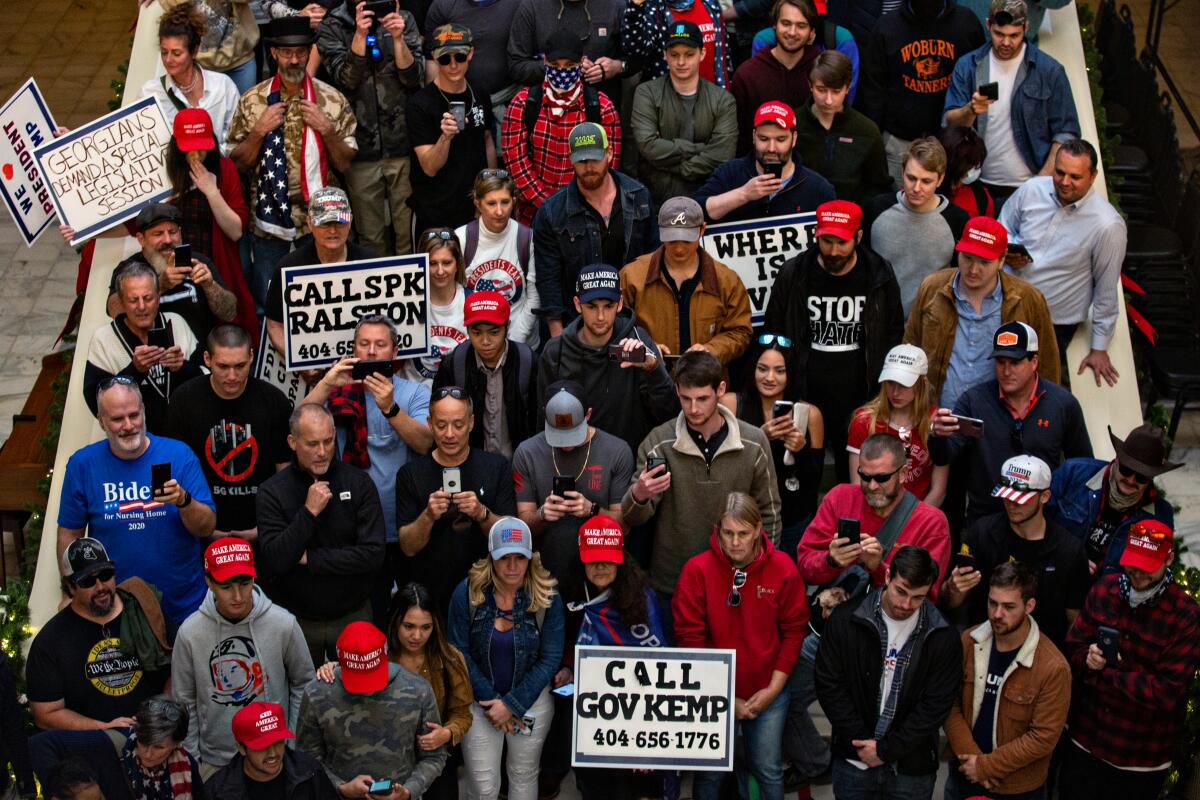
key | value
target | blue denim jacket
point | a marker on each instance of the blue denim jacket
(538, 653)
(566, 238)
(1076, 491)
(1044, 112)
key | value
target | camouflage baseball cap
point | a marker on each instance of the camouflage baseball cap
(451, 38)
(1008, 12)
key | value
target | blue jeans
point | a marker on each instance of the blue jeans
(244, 76)
(879, 783)
(803, 745)
(959, 788)
(764, 754)
(267, 253)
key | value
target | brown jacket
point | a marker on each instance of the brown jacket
(1031, 710)
(933, 321)
(455, 706)
(719, 310)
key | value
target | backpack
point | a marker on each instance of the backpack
(524, 237)
(458, 366)
(533, 105)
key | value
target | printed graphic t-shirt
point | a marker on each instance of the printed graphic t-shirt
(998, 664)
(835, 309)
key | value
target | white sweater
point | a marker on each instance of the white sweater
(498, 266)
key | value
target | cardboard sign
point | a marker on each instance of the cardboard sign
(27, 124)
(756, 249)
(322, 303)
(653, 708)
(105, 172)
(269, 366)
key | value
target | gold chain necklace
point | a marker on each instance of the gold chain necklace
(586, 456)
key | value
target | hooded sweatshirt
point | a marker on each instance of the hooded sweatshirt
(766, 628)
(627, 402)
(218, 667)
(764, 78)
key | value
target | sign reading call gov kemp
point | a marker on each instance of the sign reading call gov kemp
(322, 303)
(653, 708)
(756, 249)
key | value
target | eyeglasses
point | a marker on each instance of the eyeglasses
(445, 234)
(450, 391)
(1015, 435)
(735, 597)
(494, 173)
(1128, 472)
(373, 47)
(459, 58)
(768, 339)
(881, 478)
(88, 581)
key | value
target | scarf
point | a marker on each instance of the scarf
(564, 85)
(1136, 598)
(1116, 500)
(348, 404)
(171, 781)
(272, 208)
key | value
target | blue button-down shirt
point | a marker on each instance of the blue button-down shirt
(970, 358)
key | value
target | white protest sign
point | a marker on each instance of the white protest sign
(269, 367)
(322, 303)
(105, 172)
(27, 124)
(653, 708)
(756, 249)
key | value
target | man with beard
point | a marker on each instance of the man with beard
(768, 182)
(839, 304)
(1134, 651)
(193, 291)
(154, 349)
(320, 529)
(1022, 533)
(289, 132)
(600, 217)
(153, 531)
(77, 676)
(1015, 693)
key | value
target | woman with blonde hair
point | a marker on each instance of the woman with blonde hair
(507, 619)
(447, 280)
(903, 409)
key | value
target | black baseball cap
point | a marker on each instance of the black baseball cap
(156, 213)
(1015, 340)
(83, 557)
(685, 32)
(564, 44)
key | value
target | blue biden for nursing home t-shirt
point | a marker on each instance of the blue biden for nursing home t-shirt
(111, 497)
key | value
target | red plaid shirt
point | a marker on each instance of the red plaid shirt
(1132, 714)
(543, 166)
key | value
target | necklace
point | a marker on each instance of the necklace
(587, 454)
(195, 80)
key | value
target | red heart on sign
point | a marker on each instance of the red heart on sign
(8, 172)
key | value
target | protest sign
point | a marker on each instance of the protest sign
(322, 303)
(269, 367)
(105, 172)
(756, 249)
(653, 708)
(27, 124)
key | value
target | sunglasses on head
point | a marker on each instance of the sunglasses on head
(88, 581)
(445, 234)
(1129, 472)
(108, 383)
(450, 391)
(768, 339)
(880, 478)
(735, 597)
(493, 173)
(459, 58)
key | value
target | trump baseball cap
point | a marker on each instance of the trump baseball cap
(1022, 478)
(776, 113)
(601, 539)
(327, 205)
(1014, 340)
(598, 282)
(229, 557)
(362, 654)
(510, 535)
(983, 237)
(1148, 546)
(193, 130)
(839, 218)
(485, 307)
(259, 725)
(904, 364)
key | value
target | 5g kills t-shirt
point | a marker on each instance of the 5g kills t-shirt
(835, 313)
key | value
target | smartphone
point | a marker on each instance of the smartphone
(459, 110)
(159, 475)
(617, 353)
(990, 90)
(161, 337)
(566, 690)
(364, 368)
(1109, 643)
(961, 560)
(774, 169)
(849, 528)
(655, 461)
(381, 787)
(381, 8)
(970, 426)
(183, 255)
(782, 408)
(563, 484)
(1018, 248)
(451, 480)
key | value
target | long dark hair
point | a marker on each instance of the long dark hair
(751, 405)
(180, 174)
(628, 594)
(415, 595)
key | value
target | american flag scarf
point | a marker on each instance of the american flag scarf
(272, 209)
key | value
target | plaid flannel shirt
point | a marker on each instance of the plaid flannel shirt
(541, 164)
(1132, 714)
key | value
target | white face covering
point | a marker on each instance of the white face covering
(972, 175)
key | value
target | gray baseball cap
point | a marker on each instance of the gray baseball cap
(566, 419)
(510, 535)
(680, 220)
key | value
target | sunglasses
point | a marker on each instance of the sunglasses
(494, 173)
(459, 58)
(1127, 472)
(1014, 436)
(1019, 486)
(445, 234)
(124, 380)
(881, 478)
(735, 597)
(768, 339)
(88, 581)
(450, 391)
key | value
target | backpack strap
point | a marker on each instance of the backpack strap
(524, 239)
(524, 367)
(533, 105)
(591, 103)
(828, 33)
(175, 101)
(458, 366)
(472, 243)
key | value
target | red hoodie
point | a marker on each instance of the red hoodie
(766, 629)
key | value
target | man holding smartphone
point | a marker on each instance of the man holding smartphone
(1128, 714)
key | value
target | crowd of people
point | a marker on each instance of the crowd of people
(883, 497)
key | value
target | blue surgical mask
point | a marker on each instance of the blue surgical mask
(972, 175)
(563, 79)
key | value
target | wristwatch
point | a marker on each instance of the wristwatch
(594, 510)
(187, 499)
(392, 412)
